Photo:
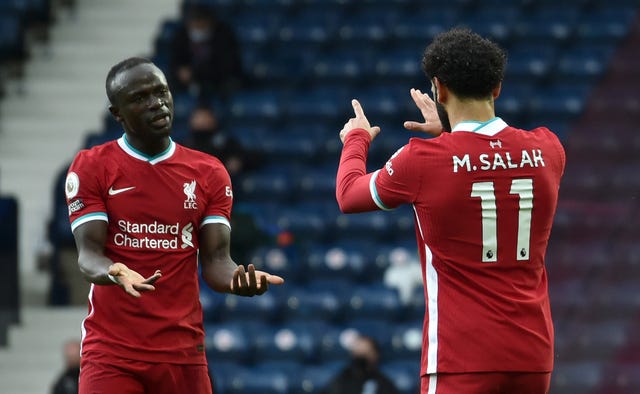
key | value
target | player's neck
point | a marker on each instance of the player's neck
(470, 110)
(149, 146)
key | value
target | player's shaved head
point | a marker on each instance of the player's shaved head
(111, 84)
(469, 65)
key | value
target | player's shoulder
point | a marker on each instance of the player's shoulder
(96, 153)
(198, 158)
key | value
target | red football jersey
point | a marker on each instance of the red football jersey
(154, 207)
(484, 198)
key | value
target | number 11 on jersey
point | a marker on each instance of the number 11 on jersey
(485, 191)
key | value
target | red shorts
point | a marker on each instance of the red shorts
(486, 383)
(138, 377)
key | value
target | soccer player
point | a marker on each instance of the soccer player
(484, 195)
(144, 209)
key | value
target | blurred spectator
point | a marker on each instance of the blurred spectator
(67, 382)
(205, 56)
(404, 274)
(363, 374)
(206, 135)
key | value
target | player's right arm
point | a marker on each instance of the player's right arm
(90, 239)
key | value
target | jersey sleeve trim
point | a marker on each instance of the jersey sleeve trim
(216, 219)
(374, 192)
(89, 217)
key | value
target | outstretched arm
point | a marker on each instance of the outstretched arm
(90, 239)
(219, 270)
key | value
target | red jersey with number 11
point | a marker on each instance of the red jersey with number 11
(484, 198)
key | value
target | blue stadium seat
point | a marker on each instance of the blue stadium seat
(344, 259)
(584, 63)
(256, 27)
(495, 22)
(372, 24)
(278, 260)
(228, 341)
(349, 66)
(317, 104)
(605, 23)
(262, 105)
(558, 102)
(576, 377)
(548, 24)
(259, 379)
(267, 307)
(314, 378)
(269, 183)
(313, 302)
(284, 343)
(405, 374)
(224, 373)
(374, 300)
(418, 27)
(317, 184)
(530, 62)
(211, 302)
(406, 341)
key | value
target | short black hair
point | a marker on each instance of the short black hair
(468, 64)
(120, 67)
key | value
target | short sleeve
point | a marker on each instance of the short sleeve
(84, 192)
(219, 195)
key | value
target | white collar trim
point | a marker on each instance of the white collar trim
(490, 127)
(131, 151)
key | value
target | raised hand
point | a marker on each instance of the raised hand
(360, 121)
(131, 281)
(253, 282)
(427, 107)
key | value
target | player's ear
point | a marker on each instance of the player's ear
(115, 111)
(441, 89)
(496, 91)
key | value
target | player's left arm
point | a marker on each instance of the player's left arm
(219, 270)
(357, 190)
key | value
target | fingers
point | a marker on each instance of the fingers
(153, 278)
(414, 126)
(357, 109)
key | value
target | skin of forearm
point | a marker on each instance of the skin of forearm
(217, 272)
(95, 267)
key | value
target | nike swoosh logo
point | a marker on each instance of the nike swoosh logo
(113, 192)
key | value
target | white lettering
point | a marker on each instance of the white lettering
(509, 163)
(464, 162)
(484, 159)
(498, 162)
(526, 159)
(531, 158)
(537, 157)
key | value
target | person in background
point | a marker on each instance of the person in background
(206, 134)
(144, 209)
(403, 273)
(484, 195)
(67, 382)
(205, 57)
(362, 375)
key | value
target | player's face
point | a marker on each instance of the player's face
(143, 102)
(442, 112)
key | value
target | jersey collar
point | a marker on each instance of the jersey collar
(133, 152)
(490, 127)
